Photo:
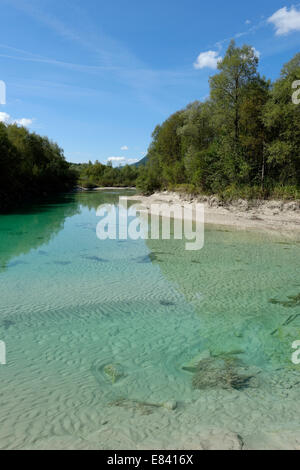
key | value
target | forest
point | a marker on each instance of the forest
(31, 166)
(241, 142)
(91, 175)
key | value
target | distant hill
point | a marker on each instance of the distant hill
(141, 162)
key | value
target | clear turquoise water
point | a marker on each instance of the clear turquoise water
(72, 304)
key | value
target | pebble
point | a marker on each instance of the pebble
(170, 405)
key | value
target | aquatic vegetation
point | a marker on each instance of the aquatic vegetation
(96, 258)
(294, 301)
(228, 355)
(113, 372)
(287, 322)
(18, 234)
(143, 407)
(283, 243)
(62, 263)
(167, 303)
(42, 253)
(220, 372)
(146, 259)
(154, 257)
(143, 259)
(7, 324)
(13, 264)
(151, 257)
(85, 226)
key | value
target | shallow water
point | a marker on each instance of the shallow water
(72, 305)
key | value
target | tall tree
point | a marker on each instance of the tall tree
(282, 119)
(237, 69)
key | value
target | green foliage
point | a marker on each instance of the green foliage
(113, 372)
(93, 175)
(282, 119)
(30, 166)
(242, 142)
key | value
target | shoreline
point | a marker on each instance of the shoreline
(280, 216)
(119, 188)
(104, 188)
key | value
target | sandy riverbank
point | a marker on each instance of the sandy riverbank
(279, 216)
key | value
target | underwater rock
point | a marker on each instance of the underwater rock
(170, 405)
(294, 301)
(238, 334)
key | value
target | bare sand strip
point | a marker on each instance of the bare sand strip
(275, 216)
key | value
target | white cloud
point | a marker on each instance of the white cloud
(247, 22)
(7, 119)
(24, 122)
(285, 21)
(122, 160)
(116, 159)
(4, 117)
(256, 52)
(124, 147)
(208, 59)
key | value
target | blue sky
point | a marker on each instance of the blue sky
(97, 76)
